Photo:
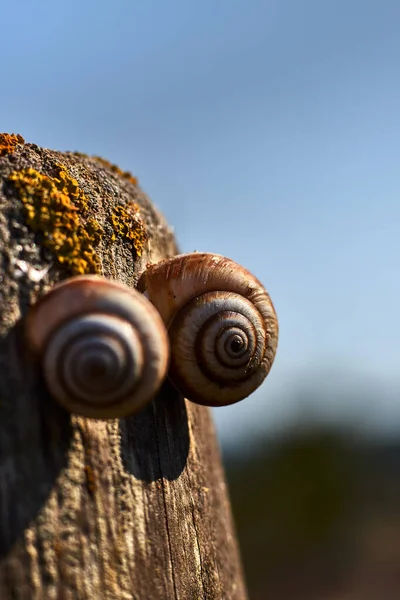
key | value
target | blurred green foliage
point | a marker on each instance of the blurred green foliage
(301, 503)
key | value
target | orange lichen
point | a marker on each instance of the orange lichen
(58, 548)
(9, 142)
(90, 479)
(125, 174)
(54, 207)
(127, 225)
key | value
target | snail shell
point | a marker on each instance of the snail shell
(103, 347)
(221, 323)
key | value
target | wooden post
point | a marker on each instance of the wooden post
(128, 509)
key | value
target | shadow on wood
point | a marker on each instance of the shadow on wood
(164, 456)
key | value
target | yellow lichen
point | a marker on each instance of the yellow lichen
(127, 225)
(9, 142)
(54, 207)
(125, 174)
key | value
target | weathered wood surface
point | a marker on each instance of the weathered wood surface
(129, 509)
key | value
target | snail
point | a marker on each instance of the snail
(222, 326)
(103, 347)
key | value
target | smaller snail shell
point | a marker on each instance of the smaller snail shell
(221, 323)
(103, 346)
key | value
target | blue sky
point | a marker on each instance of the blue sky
(265, 131)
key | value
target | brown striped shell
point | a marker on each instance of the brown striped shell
(103, 346)
(222, 326)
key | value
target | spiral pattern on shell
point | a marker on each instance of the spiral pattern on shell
(103, 346)
(221, 323)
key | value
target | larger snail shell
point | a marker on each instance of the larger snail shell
(103, 346)
(221, 323)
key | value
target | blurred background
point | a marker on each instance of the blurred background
(267, 131)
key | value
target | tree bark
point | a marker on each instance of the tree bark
(135, 508)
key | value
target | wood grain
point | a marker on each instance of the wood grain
(129, 509)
